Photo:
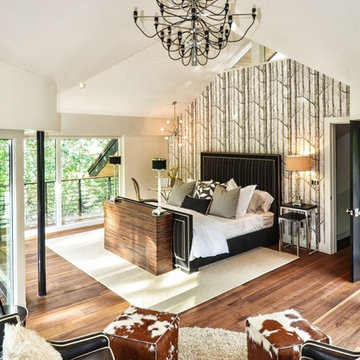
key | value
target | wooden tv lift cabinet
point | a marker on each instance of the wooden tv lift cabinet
(138, 237)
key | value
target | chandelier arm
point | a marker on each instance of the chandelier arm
(212, 4)
(221, 13)
(174, 58)
(148, 36)
(169, 23)
(177, 6)
(247, 30)
(185, 16)
(169, 9)
(203, 63)
(215, 56)
(186, 63)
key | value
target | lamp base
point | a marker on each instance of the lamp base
(158, 211)
(297, 202)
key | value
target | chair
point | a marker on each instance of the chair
(313, 350)
(137, 192)
(88, 347)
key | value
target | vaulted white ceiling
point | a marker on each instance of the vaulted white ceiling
(95, 41)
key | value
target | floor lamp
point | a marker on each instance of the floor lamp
(116, 161)
(297, 163)
(158, 165)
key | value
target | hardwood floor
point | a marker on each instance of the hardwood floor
(315, 285)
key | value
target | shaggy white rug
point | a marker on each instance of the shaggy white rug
(174, 291)
(215, 344)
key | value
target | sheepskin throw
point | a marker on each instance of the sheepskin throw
(25, 344)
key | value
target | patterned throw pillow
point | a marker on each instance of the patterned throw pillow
(204, 190)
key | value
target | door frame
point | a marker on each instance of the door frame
(330, 245)
(18, 254)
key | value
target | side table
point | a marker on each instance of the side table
(311, 213)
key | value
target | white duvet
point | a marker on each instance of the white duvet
(210, 232)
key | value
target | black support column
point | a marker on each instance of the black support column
(40, 147)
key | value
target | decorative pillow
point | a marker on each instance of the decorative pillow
(200, 205)
(179, 191)
(231, 185)
(260, 202)
(246, 194)
(204, 190)
(25, 344)
(225, 202)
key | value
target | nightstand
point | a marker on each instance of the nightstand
(308, 215)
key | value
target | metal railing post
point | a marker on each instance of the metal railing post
(109, 187)
(80, 199)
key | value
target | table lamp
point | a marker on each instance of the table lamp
(116, 161)
(297, 163)
(158, 165)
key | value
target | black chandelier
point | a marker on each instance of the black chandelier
(194, 31)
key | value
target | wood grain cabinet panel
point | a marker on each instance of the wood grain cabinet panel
(138, 237)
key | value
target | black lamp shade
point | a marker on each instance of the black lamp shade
(115, 160)
(159, 164)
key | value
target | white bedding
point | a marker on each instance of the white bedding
(210, 232)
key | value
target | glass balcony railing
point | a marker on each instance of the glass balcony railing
(82, 199)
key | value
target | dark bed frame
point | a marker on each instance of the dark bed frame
(245, 169)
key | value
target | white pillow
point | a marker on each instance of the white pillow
(246, 194)
(25, 344)
(260, 202)
(231, 185)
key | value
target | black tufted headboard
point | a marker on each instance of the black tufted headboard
(246, 169)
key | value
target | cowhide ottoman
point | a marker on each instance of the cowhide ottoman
(279, 336)
(144, 334)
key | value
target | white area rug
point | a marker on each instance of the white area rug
(174, 291)
(214, 344)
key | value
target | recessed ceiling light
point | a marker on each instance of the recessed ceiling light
(82, 85)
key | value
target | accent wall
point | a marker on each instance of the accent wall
(276, 108)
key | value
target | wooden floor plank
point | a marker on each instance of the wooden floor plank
(315, 285)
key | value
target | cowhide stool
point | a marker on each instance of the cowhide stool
(144, 334)
(279, 336)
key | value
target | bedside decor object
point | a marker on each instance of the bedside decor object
(194, 31)
(116, 161)
(172, 174)
(297, 163)
(158, 165)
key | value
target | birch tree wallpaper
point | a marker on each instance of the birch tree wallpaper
(273, 108)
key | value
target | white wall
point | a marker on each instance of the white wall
(27, 101)
(355, 95)
(105, 125)
(137, 152)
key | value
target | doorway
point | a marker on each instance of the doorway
(342, 185)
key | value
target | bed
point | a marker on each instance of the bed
(245, 169)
